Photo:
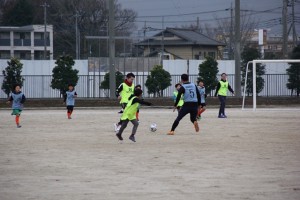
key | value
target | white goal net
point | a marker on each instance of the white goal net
(254, 62)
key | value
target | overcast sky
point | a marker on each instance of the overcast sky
(179, 12)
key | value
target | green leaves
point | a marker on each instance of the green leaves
(63, 74)
(158, 80)
(12, 75)
(208, 71)
(247, 55)
(294, 72)
(105, 82)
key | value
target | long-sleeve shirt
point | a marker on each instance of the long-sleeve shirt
(219, 85)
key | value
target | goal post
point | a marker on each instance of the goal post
(254, 62)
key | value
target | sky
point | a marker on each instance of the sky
(179, 12)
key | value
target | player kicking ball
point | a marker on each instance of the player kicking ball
(129, 114)
(192, 101)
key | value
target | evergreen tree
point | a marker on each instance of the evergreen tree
(105, 83)
(12, 75)
(294, 72)
(247, 55)
(158, 80)
(20, 14)
(63, 74)
(208, 71)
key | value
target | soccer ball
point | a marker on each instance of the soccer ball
(153, 127)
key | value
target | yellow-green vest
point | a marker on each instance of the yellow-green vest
(223, 88)
(181, 102)
(130, 110)
(126, 92)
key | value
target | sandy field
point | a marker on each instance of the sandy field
(249, 155)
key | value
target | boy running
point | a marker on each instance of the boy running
(192, 100)
(129, 114)
(69, 100)
(203, 96)
(18, 99)
(124, 91)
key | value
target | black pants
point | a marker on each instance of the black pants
(123, 105)
(192, 110)
(124, 125)
(222, 100)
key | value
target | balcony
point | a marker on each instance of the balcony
(22, 42)
(4, 42)
(40, 43)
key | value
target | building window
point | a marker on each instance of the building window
(212, 55)
(5, 55)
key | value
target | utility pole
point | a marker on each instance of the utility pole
(45, 5)
(112, 73)
(231, 33)
(293, 21)
(162, 41)
(77, 35)
(237, 50)
(284, 28)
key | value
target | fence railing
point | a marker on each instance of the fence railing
(38, 86)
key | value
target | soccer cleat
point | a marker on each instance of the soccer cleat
(170, 133)
(120, 112)
(225, 116)
(117, 127)
(132, 138)
(19, 126)
(196, 126)
(221, 116)
(119, 136)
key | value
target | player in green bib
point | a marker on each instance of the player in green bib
(221, 91)
(129, 114)
(175, 93)
(124, 91)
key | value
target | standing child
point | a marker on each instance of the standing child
(221, 91)
(124, 91)
(129, 114)
(69, 100)
(18, 99)
(175, 94)
(203, 96)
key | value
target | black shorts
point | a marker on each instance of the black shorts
(70, 108)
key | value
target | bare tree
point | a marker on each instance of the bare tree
(224, 29)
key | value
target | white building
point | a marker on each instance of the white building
(26, 42)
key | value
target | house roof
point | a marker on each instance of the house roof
(184, 37)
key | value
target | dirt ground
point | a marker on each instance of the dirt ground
(249, 155)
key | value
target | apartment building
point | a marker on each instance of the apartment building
(26, 42)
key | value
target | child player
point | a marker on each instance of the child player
(175, 93)
(138, 111)
(192, 100)
(129, 114)
(124, 91)
(18, 99)
(203, 95)
(69, 100)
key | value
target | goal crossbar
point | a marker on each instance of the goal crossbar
(254, 62)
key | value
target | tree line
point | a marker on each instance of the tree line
(158, 79)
